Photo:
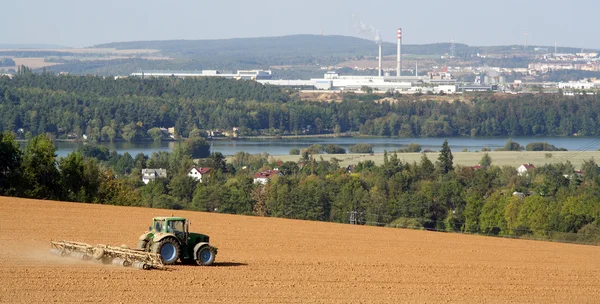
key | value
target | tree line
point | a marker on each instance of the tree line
(106, 109)
(548, 202)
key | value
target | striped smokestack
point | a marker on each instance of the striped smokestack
(399, 59)
(379, 60)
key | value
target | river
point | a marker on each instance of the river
(283, 146)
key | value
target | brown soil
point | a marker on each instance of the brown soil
(267, 260)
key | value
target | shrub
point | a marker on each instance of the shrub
(294, 151)
(405, 222)
(542, 146)
(361, 148)
(314, 149)
(412, 148)
(334, 149)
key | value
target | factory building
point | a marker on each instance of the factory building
(241, 74)
(335, 82)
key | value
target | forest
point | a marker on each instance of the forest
(551, 202)
(108, 109)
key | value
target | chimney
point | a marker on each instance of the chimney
(379, 59)
(399, 59)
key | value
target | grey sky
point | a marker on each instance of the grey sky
(83, 23)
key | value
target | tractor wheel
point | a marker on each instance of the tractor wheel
(168, 248)
(206, 256)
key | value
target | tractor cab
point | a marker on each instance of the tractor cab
(178, 226)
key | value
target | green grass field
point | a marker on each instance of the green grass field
(499, 158)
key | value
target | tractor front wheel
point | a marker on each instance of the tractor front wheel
(206, 256)
(168, 249)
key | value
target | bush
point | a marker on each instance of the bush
(334, 149)
(412, 148)
(295, 151)
(542, 146)
(405, 222)
(196, 147)
(314, 149)
(511, 146)
(361, 148)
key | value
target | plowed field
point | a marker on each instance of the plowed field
(266, 260)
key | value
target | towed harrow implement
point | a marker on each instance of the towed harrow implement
(108, 255)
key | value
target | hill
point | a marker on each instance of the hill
(276, 53)
(268, 260)
(316, 46)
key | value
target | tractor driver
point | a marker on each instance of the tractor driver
(158, 226)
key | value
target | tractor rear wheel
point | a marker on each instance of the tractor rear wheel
(169, 249)
(206, 256)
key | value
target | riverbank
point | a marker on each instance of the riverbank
(499, 158)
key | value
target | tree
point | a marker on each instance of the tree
(109, 132)
(80, 178)
(182, 188)
(591, 174)
(334, 149)
(39, 169)
(445, 158)
(426, 167)
(315, 149)
(10, 165)
(361, 148)
(486, 161)
(366, 89)
(294, 151)
(512, 146)
(129, 131)
(413, 148)
(196, 147)
(156, 134)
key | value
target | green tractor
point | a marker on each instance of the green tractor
(170, 237)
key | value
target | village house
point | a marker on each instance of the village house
(476, 167)
(265, 176)
(149, 175)
(524, 169)
(198, 173)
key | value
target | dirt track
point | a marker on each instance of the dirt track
(264, 260)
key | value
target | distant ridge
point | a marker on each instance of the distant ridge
(31, 46)
(304, 45)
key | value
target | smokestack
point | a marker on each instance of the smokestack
(379, 59)
(399, 59)
(417, 68)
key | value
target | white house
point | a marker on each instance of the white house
(524, 169)
(197, 173)
(151, 174)
(265, 176)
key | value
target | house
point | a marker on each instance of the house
(149, 175)
(171, 131)
(198, 173)
(265, 176)
(576, 174)
(476, 167)
(524, 169)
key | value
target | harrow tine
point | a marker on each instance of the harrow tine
(108, 255)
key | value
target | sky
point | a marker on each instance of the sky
(81, 23)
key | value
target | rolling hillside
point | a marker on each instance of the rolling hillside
(268, 260)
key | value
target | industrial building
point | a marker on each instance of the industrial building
(334, 82)
(241, 74)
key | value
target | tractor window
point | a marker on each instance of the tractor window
(176, 226)
(158, 225)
